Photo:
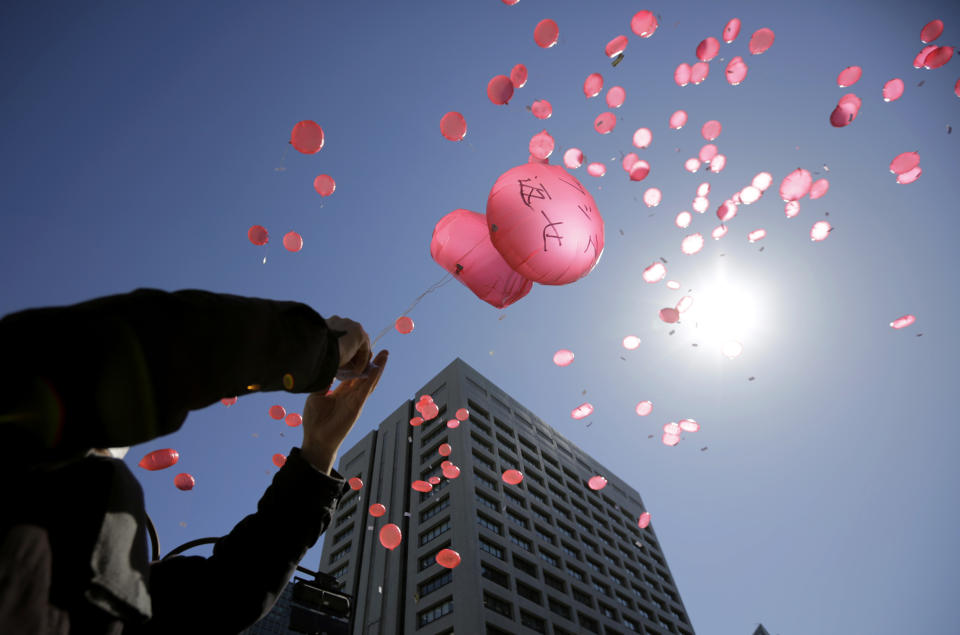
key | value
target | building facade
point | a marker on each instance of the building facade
(546, 556)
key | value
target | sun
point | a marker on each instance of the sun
(725, 313)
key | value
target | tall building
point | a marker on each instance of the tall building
(546, 556)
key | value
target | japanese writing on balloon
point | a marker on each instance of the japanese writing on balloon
(529, 191)
(551, 227)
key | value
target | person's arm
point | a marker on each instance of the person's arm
(125, 369)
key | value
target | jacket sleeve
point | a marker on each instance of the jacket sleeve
(250, 566)
(125, 369)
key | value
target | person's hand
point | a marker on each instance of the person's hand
(354, 347)
(328, 418)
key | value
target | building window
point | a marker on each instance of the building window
(566, 531)
(570, 551)
(575, 573)
(435, 612)
(552, 461)
(503, 427)
(549, 558)
(517, 519)
(582, 597)
(435, 583)
(486, 482)
(527, 443)
(545, 535)
(340, 553)
(346, 517)
(343, 534)
(622, 601)
(609, 558)
(588, 623)
(594, 565)
(539, 513)
(434, 531)
(435, 509)
(492, 525)
(486, 502)
(481, 442)
(474, 423)
(554, 582)
(633, 626)
(513, 498)
(493, 630)
(558, 493)
(484, 461)
(558, 607)
(533, 622)
(339, 573)
(601, 587)
(497, 605)
(607, 611)
(494, 575)
(493, 549)
(429, 560)
(521, 542)
(525, 565)
(433, 434)
(476, 409)
(536, 478)
(617, 579)
(507, 444)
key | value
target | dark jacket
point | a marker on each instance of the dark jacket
(123, 370)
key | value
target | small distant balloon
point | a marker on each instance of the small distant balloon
(605, 123)
(692, 244)
(708, 152)
(681, 74)
(711, 130)
(671, 428)
(616, 46)
(849, 76)
(678, 119)
(691, 165)
(631, 342)
(893, 89)
(819, 188)
(791, 209)
(654, 273)
(629, 160)
(453, 126)
(700, 204)
(731, 31)
(324, 185)
(699, 72)
(421, 486)
(931, 31)
(541, 145)
(293, 241)
(277, 412)
(228, 401)
(518, 76)
(684, 304)
(761, 41)
(448, 558)
(820, 230)
(293, 419)
(717, 163)
(922, 55)
(356, 483)
(258, 235)
(643, 23)
(903, 322)
(430, 411)
(670, 439)
(563, 357)
(462, 414)
(669, 315)
(673, 284)
(404, 325)
(451, 471)
(652, 197)
(644, 408)
(500, 90)
(644, 521)
(279, 460)
(582, 411)
(434, 480)
(736, 71)
(416, 421)
(689, 425)
(597, 483)
(732, 349)
(453, 423)
(390, 536)
(592, 85)
(708, 49)
(159, 459)
(639, 170)
(377, 510)
(512, 477)
(444, 449)
(596, 169)
(938, 57)
(719, 232)
(762, 181)
(756, 235)
(573, 158)
(750, 195)
(184, 481)
(904, 162)
(846, 111)
(616, 96)
(307, 137)
(546, 33)
(909, 176)
(542, 109)
(642, 138)
(796, 185)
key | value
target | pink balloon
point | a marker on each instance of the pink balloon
(692, 164)
(644, 521)
(444, 449)
(893, 89)
(643, 23)
(451, 471)
(639, 170)
(681, 75)
(453, 126)
(652, 197)
(846, 111)
(573, 158)
(228, 401)
(644, 408)
(448, 558)
(678, 119)
(708, 49)
(510, 3)
(616, 46)
(390, 536)
(760, 41)
(430, 411)
(726, 211)
(605, 123)
(404, 325)
(684, 304)
(426, 397)
(355, 483)
(750, 195)
(434, 480)
(931, 31)
(820, 230)
(416, 421)
(683, 220)
(689, 425)
(616, 96)
(462, 414)
(184, 481)
(699, 72)
(293, 241)
(541, 145)
(732, 349)
(762, 181)
(736, 71)
(293, 419)
(461, 244)
(642, 138)
(421, 486)
(631, 342)
(791, 209)
(703, 189)
(597, 483)
(692, 244)
(563, 357)
(922, 55)
(700, 204)
(546, 33)
(629, 161)
(325, 185)
(849, 76)
(277, 412)
(596, 169)
(711, 130)
(938, 57)
(903, 322)
(731, 30)
(279, 460)
(909, 176)
(819, 188)
(671, 428)
(541, 109)
(796, 185)
(518, 76)
(159, 459)
(670, 439)
(757, 234)
(512, 477)
(453, 423)
(669, 315)
(708, 152)
(717, 163)
(719, 232)
(258, 235)
(500, 90)
(377, 510)
(654, 273)
(904, 162)
(582, 411)
(307, 137)
(592, 85)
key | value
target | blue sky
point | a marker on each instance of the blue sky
(142, 140)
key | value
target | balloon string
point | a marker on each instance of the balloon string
(436, 285)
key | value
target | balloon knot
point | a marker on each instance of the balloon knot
(459, 269)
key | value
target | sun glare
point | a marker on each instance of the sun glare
(725, 315)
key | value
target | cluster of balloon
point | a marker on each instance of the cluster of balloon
(906, 166)
(184, 482)
(499, 91)
(903, 322)
(541, 225)
(390, 536)
(159, 459)
(356, 483)
(672, 430)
